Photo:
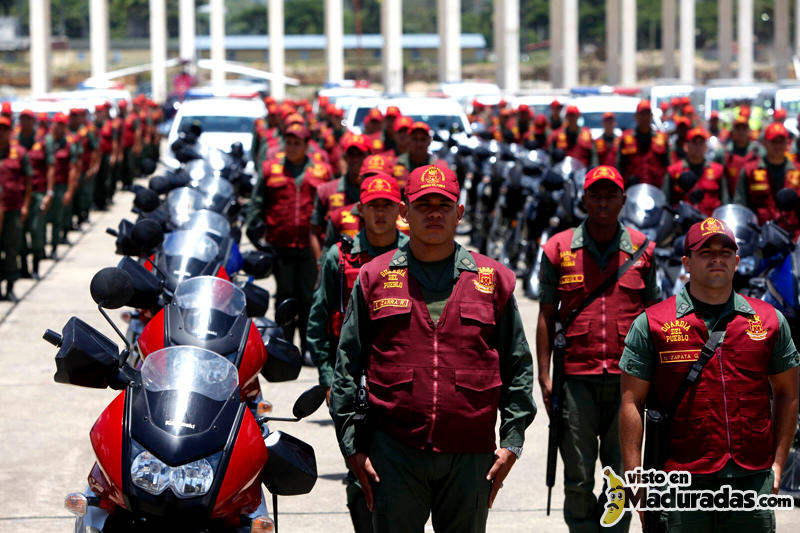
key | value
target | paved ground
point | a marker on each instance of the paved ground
(44, 426)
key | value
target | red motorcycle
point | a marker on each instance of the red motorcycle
(177, 449)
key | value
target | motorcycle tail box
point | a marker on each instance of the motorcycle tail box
(283, 361)
(86, 357)
(291, 468)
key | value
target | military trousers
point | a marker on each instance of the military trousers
(35, 227)
(295, 274)
(85, 195)
(451, 488)
(10, 245)
(590, 424)
(126, 169)
(103, 182)
(55, 215)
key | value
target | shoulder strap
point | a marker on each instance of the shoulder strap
(708, 351)
(608, 282)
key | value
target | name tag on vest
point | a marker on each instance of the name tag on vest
(570, 278)
(679, 356)
(390, 302)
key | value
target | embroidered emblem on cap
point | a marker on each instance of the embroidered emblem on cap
(378, 185)
(711, 225)
(376, 162)
(756, 330)
(485, 281)
(433, 177)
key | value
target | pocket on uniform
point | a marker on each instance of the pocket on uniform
(477, 312)
(388, 377)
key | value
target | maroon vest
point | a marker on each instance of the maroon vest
(63, 157)
(106, 130)
(11, 179)
(352, 264)
(709, 183)
(581, 150)
(435, 385)
(735, 163)
(648, 166)
(345, 222)
(38, 160)
(597, 336)
(289, 208)
(330, 198)
(726, 413)
(607, 152)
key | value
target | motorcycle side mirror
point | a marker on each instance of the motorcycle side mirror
(257, 263)
(146, 286)
(111, 288)
(786, 200)
(308, 402)
(257, 300)
(86, 357)
(177, 180)
(146, 200)
(287, 312)
(147, 234)
(159, 184)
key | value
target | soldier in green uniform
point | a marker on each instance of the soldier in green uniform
(379, 209)
(66, 154)
(15, 179)
(434, 334)
(735, 422)
(90, 160)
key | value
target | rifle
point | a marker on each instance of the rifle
(556, 409)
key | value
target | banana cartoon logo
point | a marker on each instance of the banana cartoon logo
(615, 507)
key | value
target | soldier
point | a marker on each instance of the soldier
(104, 184)
(575, 263)
(401, 136)
(15, 180)
(716, 128)
(40, 157)
(417, 155)
(734, 424)
(131, 139)
(434, 333)
(695, 180)
(606, 147)
(643, 152)
(761, 180)
(555, 121)
(90, 161)
(392, 113)
(571, 140)
(378, 206)
(737, 152)
(66, 154)
(280, 210)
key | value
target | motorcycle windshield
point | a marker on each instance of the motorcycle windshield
(186, 388)
(643, 206)
(187, 253)
(210, 223)
(198, 170)
(209, 306)
(744, 225)
(217, 193)
(182, 202)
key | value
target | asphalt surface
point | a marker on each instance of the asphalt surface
(45, 451)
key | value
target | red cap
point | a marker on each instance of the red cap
(714, 115)
(609, 115)
(357, 141)
(700, 232)
(293, 118)
(375, 164)
(540, 124)
(643, 105)
(5, 121)
(122, 104)
(779, 114)
(476, 105)
(688, 110)
(419, 125)
(379, 185)
(682, 121)
(776, 129)
(432, 179)
(523, 109)
(5, 109)
(60, 118)
(27, 113)
(75, 111)
(393, 111)
(374, 115)
(573, 110)
(43, 118)
(603, 172)
(506, 112)
(664, 105)
(403, 123)
(298, 130)
(502, 103)
(741, 120)
(323, 101)
(744, 111)
(696, 132)
(685, 100)
(675, 102)
(555, 103)
(99, 107)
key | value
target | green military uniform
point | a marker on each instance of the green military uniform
(59, 214)
(393, 459)
(85, 193)
(639, 359)
(35, 226)
(12, 234)
(591, 401)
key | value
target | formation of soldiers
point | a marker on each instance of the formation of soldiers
(55, 169)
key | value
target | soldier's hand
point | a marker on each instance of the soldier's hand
(776, 483)
(546, 385)
(361, 466)
(23, 213)
(45, 205)
(503, 461)
(328, 396)
(66, 199)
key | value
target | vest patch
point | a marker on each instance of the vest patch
(390, 302)
(485, 281)
(568, 258)
(336, 200)
(570, 278)
(676, 331)
(393, 280)
(679, 356)
(755, 329)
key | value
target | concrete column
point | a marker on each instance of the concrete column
(277, 87)
(158, 49)
(781, 18)
(797, 27)
(217, 31)
(744, 32)
(687, 40)
(186, 30)
(570, 32)
(98, 36)
(40, 46)
(612, 41)
(725, 36)
(448, 21)
(556, 44)
(506, 14)
(628, 55)
(392, 53)
(334, 32)
(668, 37)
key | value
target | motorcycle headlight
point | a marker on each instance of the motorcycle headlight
(187, 481)
(150, 474)
(193, 479)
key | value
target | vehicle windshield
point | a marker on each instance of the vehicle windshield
(219, 123)
(625, 120)
(186, 387)
(217, 192)
(182, 202)
(187, 253)
(209, 306)
(209, 222)
(643, 206)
